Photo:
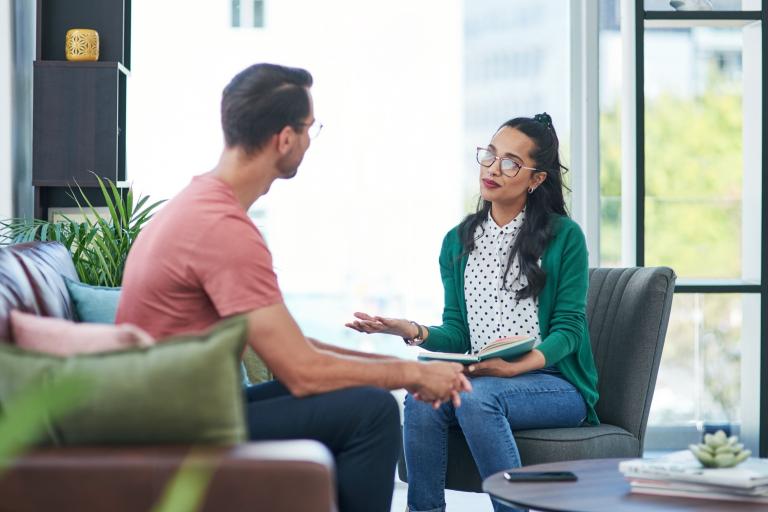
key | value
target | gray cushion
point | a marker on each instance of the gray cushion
(555, 444)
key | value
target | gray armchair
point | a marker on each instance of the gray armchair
(628, 311)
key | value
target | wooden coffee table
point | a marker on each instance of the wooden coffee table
(600, 488)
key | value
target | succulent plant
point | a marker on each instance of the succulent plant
(720, 451)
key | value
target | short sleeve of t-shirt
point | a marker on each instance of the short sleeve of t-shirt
(235, 267)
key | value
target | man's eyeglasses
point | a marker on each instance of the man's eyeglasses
(313, 128)
(509, 167)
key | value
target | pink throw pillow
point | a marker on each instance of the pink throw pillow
(64, 338)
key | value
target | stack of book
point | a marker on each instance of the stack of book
(680, 474)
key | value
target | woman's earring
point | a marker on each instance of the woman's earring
(530, 190)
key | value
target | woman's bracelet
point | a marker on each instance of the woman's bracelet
(416, 340)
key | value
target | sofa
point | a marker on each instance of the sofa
(275, 475)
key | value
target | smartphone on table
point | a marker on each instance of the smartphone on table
(540, 476)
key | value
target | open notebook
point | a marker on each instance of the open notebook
(507, 348)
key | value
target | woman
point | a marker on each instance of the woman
(516, 266)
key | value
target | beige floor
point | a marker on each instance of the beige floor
(455, 501)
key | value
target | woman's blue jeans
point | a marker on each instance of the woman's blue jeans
(487, 416)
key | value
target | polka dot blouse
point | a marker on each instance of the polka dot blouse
(492, 311)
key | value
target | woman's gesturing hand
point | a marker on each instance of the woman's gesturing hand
(378, 324)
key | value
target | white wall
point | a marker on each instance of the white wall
(6, 67)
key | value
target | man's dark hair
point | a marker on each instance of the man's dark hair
(262, 100)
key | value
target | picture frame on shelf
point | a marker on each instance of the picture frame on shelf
(58, 213)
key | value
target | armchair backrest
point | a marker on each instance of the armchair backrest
(628, 312)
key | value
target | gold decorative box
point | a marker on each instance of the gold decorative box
(82, 44)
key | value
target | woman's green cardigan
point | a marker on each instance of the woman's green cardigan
(562, 308)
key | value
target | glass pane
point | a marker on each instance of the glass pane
(701, 366)
(712, 5)
(503, 79)
(258, 13)
(235, 13)
(610, 134)
(694, 149)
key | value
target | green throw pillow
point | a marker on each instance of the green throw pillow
(97, 304)
(183, 390)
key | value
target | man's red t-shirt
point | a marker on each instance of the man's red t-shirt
(200, 259)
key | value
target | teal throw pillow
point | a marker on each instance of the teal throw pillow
(186, 389)
(96, 304)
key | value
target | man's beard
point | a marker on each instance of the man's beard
(288, 166)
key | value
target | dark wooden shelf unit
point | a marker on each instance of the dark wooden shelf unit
(78, 123)
(48, 199)
(79, 107)
(75, 65)
(110, 18)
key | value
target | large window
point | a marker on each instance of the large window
(694, 153)
(406, 90)
(704, 353)
(697, 220)
(701, 205)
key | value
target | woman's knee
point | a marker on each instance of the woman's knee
(417, 412)
(480, 400)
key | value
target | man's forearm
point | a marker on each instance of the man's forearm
(346, 352)
(333, 370)
(306, 367)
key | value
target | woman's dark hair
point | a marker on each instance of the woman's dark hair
(547, 199)
(260, 101)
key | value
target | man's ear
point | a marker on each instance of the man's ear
(284, 139)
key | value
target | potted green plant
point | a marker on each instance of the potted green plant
(100, 243)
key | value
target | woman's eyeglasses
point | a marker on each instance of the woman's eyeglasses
(508, 166)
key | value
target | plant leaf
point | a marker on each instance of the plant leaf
(99, 245)
(187, 489)
(123, 219)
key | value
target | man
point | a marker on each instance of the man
(202, 259)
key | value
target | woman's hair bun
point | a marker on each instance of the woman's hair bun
(544, 119)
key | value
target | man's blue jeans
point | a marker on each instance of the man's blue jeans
(487, 416)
